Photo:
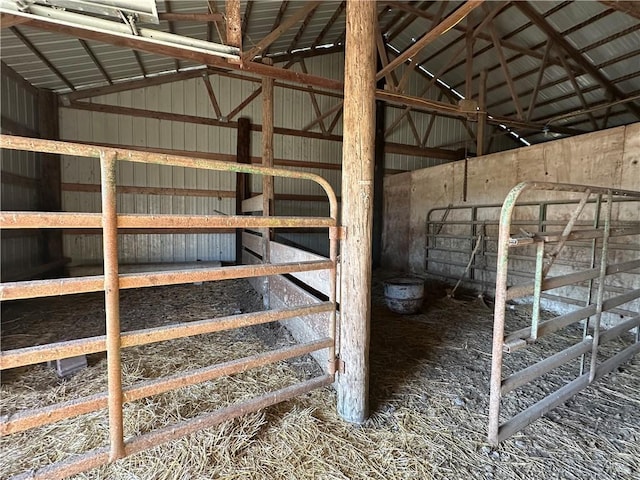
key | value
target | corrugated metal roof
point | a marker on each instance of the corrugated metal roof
(600, 34)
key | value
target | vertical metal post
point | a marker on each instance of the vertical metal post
(537, 290)
(112, 301)
(504, 233)
(592, 264)
(604, 260)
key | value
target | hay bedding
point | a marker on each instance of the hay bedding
(429, 393)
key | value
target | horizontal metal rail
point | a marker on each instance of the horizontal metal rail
(590, 311)
(111, 223)
(20, 357)
(94, 220)
(95, 283)
(100, 456)
(44, 416)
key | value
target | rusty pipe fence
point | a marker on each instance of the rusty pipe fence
(112, 282)
(604, 265)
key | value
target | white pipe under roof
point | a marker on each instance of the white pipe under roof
(71, 19)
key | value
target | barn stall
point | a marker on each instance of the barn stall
(153, 211)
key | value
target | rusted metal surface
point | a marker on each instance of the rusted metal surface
(67, 286)
(68, 148)
(44, 416)
(112, 302)
(42, 353)
(505, 343)
(94, 220)
(111, 282)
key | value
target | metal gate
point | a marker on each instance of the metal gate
(602, 226)
(111, 282)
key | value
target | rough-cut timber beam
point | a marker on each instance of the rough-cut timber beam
(448, 23)
(212, 95)
(234, 23)
(536, 88)
(27, 43)
(574, 54)
(219, 25)
(630, 8)
(277, 32)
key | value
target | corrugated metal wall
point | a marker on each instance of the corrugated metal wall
(293, 109)
(20, 172)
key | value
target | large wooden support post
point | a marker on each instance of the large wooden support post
(243, 187)
(267, 161)
(50, 189)
(482, 115)
(357, 209)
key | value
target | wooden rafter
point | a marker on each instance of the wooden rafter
(410, 18)
(314, 101)
(95, 60)
(212, 95)
(574, 54)
(263, 44)
(172, 29)
(334, 122)
(393, 20)
(245, 19)
(300, 32)
(536, 88)
(320, 118)
(27, 43)
(537, 46)
(329, 24)
(283, 8)
(576, 88)
(505, 69)
(448, 23)
(138, 58)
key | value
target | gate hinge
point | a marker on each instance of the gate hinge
(337, 366)
(338, 233)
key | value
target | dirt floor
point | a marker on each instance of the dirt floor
(429, 398)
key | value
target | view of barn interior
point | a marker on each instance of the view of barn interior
(270, 239)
